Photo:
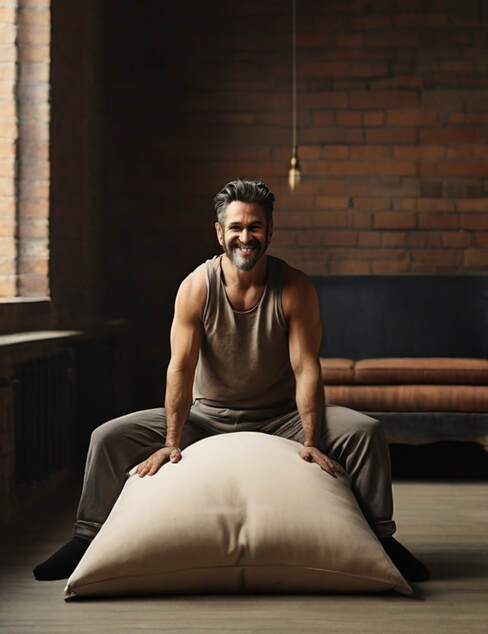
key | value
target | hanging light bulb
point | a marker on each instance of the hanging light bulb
(294, 175)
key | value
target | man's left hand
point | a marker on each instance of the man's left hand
(312, 454)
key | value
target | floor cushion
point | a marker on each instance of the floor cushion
(241, 512)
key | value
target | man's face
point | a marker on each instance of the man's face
(245, 236)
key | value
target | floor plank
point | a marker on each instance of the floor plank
(445, 524)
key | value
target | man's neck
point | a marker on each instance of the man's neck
(243, 280)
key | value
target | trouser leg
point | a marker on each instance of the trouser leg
(357, 442)
(116, 447)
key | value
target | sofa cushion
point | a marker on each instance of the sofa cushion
(435, 370)
(240, 512)
(337, 371)
(409, 398)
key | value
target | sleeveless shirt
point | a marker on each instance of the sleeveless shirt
(244, 361)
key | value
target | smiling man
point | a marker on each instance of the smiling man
(245, 340)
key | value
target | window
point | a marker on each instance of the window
(24, 148)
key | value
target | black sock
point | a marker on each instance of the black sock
(410, 567)
(63, 562)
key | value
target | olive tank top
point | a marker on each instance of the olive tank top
(244, 361)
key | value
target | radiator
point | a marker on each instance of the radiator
(43, 415)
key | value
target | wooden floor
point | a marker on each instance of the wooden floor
(445, 524)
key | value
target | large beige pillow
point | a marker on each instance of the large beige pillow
(240, 512)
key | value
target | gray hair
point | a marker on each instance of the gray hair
(247, 192)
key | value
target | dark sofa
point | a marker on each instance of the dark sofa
(411, 351)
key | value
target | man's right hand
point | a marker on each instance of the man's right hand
(151, 465)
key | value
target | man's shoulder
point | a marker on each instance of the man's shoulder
(298, 289)
(192, 292)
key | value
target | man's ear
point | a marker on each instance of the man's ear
(220, 233)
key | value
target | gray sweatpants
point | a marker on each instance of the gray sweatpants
(354, 440)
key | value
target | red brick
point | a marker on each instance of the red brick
(424, 239)
(7, 72)
(367, 152)
(421, 20)
(7, 286)
(425, 170)
(390, 267)
(332, 100)
(369, 239)
(435, 204)
(7, 168)
(323, 117)
(7, 89)
(345, 168)
(397, 81)
(473, 204)
(394, 220)
(7, 227)
(336, 152)
(33, 53)
(7, 187)
(34, 189)
(354, 135)
(32, 34)
(393, 238)
(329, 219)
(7, 108)
(7, 15)
(325, 202)
(383, 99)
(472, 169)
(366, 22)
(33, 228)
(359, 219)
(34, 208)
(405, 204)
(7, 207)
(476, 258)
(419, 152)
(391, 135)
(7, 267)
(412, 117)
(7, 248)
(474, 221)
(349, 40)
(391, 39)
(458, 117)
(35, 17)
(456, 66)
(481, 239)
(34, 72)
(439, 220)
(338, 238)
(36, 266)
(374, 118)
(438, 259)
(456, 239)
(349, 117)
(7, 53)
(384, 186)
(348, 267)
(371, 203)
(453, 135)
(33, 286)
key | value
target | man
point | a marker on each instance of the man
(244, 356)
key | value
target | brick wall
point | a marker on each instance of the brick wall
(24, 148)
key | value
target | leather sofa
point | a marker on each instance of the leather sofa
(410, 351)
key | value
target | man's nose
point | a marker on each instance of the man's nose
(244, 237)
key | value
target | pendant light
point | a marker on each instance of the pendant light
(294, 173)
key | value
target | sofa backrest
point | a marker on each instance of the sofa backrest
(397, 316)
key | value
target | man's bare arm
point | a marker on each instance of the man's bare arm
(301, 307)
(185, 340)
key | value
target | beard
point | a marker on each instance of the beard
(245, 261)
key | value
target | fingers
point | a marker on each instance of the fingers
(175, 455)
